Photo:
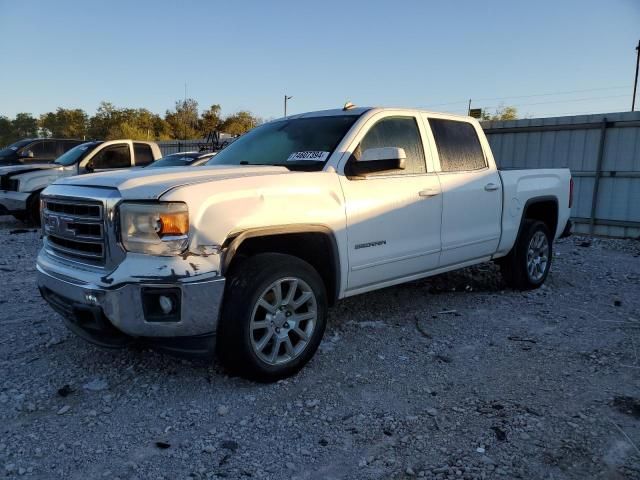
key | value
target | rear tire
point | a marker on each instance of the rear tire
(527, 265)
(273, 317)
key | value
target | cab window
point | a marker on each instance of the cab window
(458, 145)
(400, 132)
(113, 156)
(143, 154)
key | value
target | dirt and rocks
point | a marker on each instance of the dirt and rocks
(452, 377)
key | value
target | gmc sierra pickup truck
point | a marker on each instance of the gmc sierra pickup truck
(248, 253)
(20, 185)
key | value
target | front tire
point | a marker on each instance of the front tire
(527, 265)
(32, 215)
(273, 317)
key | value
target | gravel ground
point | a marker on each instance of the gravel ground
(452, 377)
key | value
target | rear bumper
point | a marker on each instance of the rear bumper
(115, 314)
(13, 202)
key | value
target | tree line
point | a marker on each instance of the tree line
(184, 122)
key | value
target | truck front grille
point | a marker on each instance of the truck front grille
(75, 229)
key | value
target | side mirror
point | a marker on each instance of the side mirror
(26, 154)
(89, 166)
(380, 160)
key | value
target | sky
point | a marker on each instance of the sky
(547, 57)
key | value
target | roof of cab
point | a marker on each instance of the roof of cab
(330, 113)
(357, 111)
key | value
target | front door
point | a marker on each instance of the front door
(111, 157)
(393, 217)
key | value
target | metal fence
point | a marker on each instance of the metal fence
(175, 146)
(215, 141)
(603, 153)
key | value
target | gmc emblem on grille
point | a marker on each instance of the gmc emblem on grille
(57, 225)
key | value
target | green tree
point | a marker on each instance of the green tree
(239, 123)
(24, 125)
(184, 121)
(162, 128)
(7, 133)
(154, 123)
(107, 117)
(501, 113)
(111, 123)
(210, 120)
(65, 123)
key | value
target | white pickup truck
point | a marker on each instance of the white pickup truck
(249, 252)
(20, 185)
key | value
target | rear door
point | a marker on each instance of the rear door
(471, 192)
(393, 217)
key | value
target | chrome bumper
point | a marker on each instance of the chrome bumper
(118, 295)
(13, 201)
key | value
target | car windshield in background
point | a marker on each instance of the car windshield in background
(76, 154)
(13, 148)
(175, 160)
(298, 143)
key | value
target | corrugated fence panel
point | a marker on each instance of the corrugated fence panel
(574, 142)
(582, 193)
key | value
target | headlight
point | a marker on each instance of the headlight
(154, 228)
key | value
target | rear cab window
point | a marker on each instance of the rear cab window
(42, 150)
(458, 145)
(142, 153)
(49, 149)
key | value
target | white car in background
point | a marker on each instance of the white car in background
(20, 185)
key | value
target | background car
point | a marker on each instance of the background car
(20, 185)
(36, 150)
(183, 159)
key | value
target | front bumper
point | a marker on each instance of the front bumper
(13, 202)
(108, 309)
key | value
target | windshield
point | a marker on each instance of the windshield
(76, 154)
(175, 160)
(300, 143)
(11, 150)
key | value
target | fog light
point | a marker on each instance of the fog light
(166, 304)
(91, 299)
(161, 304)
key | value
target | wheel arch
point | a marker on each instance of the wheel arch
(544, 208)
(309, 242)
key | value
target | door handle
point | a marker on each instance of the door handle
(429, 192)
(490, 187)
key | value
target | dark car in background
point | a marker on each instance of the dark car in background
(183, 159)
(36, 150)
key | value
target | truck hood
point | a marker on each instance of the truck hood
(19, 169)
(151, 184)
